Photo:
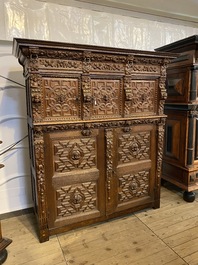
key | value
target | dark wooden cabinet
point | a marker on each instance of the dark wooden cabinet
(180, 162)
(96, 129)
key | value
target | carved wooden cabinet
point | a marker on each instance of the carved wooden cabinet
(180, 162)
(96, 127)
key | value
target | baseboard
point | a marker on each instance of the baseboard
(16, 213)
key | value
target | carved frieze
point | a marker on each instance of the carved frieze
(104, 124)
(68, 65)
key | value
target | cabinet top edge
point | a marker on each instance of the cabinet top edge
(19, 43)
(185, 44)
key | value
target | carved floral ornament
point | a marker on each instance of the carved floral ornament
(86, 128)
(92, 61)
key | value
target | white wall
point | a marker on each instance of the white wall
(47, 21)
(15, 192)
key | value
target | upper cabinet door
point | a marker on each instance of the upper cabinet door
(102, 97)
(140, 97)
(57, 98)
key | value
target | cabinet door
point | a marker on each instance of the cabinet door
(75, 177)
(132, 180)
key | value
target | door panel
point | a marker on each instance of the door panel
(75, 188)
(133, 172)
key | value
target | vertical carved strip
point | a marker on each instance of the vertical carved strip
(109, 160)
(86, 62)
(196, 139)
(129, 65)
(41, 184)
(36, 93)
(190, 147)
(162, 86)
(87, 96)
(35, 84)
(193, 88)
(86, 85)
(160, 147)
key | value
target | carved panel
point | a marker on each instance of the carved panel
(133, 147)
(61, 98)
(69, 65)
(74, 154)
(107, 67)
(132, 186)
(106, 98)
(143, 97)
(76, 199)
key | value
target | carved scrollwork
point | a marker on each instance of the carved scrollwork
(194, 112)
(164, 65)
(160, 140)
(127, 90)
(129, 64)
(35, 88)
(87, 62)
(109, 159)
(126, 129)
(41, 181)
(66, 64)
(86, 88)
(86, 132)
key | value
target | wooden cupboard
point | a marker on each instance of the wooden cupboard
(96, 128)
(180, 161)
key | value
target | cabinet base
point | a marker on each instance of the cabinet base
(189, 196)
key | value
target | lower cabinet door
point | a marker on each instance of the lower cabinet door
(132, 174)
(75, 177)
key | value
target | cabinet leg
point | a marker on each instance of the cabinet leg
(163, 182)
(3, 256)
(189, 196)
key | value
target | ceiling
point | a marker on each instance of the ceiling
(185, 11)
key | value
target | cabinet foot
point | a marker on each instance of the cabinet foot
(189, 196)
(3, 256)
(163, 182)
